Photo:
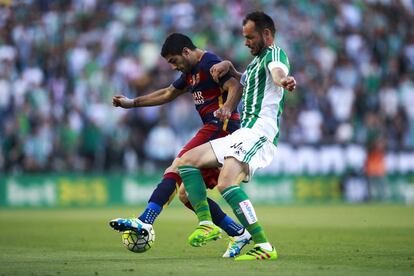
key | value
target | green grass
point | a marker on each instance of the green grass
(311, 240)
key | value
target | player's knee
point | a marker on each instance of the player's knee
(173, 167)
(187, 160)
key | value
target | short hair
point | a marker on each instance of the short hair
(261, 21)
(175, 43)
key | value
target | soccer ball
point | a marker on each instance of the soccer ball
(139, 242)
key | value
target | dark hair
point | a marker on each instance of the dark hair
(261, 21)
(175, 43)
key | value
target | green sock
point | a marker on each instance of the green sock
(244, 211)
(196, 190)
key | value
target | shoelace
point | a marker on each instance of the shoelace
(205, 228)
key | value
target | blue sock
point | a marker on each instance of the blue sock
(161, 196)
(151, 213)
(222, 220)
(231, 227)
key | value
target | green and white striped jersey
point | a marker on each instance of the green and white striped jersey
(262, 99)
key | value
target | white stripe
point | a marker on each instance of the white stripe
(278, 54)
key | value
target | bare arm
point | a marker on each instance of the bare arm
(220, 69)
(281, 79)
(157, 97)
(233, 98)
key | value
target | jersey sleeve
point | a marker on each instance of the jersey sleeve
(277, 58)
(180, 83)
(224, 78)
(243, 78)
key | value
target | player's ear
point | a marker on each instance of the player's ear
(185, 52)
(267, 33)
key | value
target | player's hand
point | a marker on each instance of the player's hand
(122, 101)
(288, 83)
(219, 69)
(222, 113)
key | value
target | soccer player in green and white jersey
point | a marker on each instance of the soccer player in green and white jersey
(249, 148)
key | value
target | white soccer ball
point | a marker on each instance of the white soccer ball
(139, 241)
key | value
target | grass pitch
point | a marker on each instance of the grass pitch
(311, 240)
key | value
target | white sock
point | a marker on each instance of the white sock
(205, 222)
(245, 234)
(265, 245)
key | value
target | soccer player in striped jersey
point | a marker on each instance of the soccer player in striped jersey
(251, 147)
(209, 96)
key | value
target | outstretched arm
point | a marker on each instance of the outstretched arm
(158, 97)
(233, 98)
(281, 79)
(220, 69)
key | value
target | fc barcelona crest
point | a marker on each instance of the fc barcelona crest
(195, 79)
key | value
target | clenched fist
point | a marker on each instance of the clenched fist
(288, 83)
(122, 101)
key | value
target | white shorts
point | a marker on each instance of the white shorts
(246, 146)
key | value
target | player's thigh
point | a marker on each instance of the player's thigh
(232, 173)
(201, 157)
(205, 134)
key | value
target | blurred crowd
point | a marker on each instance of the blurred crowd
(62, 61)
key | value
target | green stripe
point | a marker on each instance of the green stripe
(251, 150)
(279, 112)
(254, 149)
(259, 97)
(254, 94)
(248, 158)
(283, 58)
(246, 95)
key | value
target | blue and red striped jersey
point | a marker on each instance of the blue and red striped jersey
(208, 95)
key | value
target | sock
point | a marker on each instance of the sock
(231, 227)
(265, 245)
(196, 189)
(222, 220)
(161, 197)
(151, 213)
(244, 211)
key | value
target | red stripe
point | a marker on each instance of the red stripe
(175, 176)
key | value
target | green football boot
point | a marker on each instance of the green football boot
(258, 253)
(203, 234)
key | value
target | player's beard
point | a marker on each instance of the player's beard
(260, 47)
(186, 67)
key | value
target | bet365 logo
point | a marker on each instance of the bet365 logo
(238, 148)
